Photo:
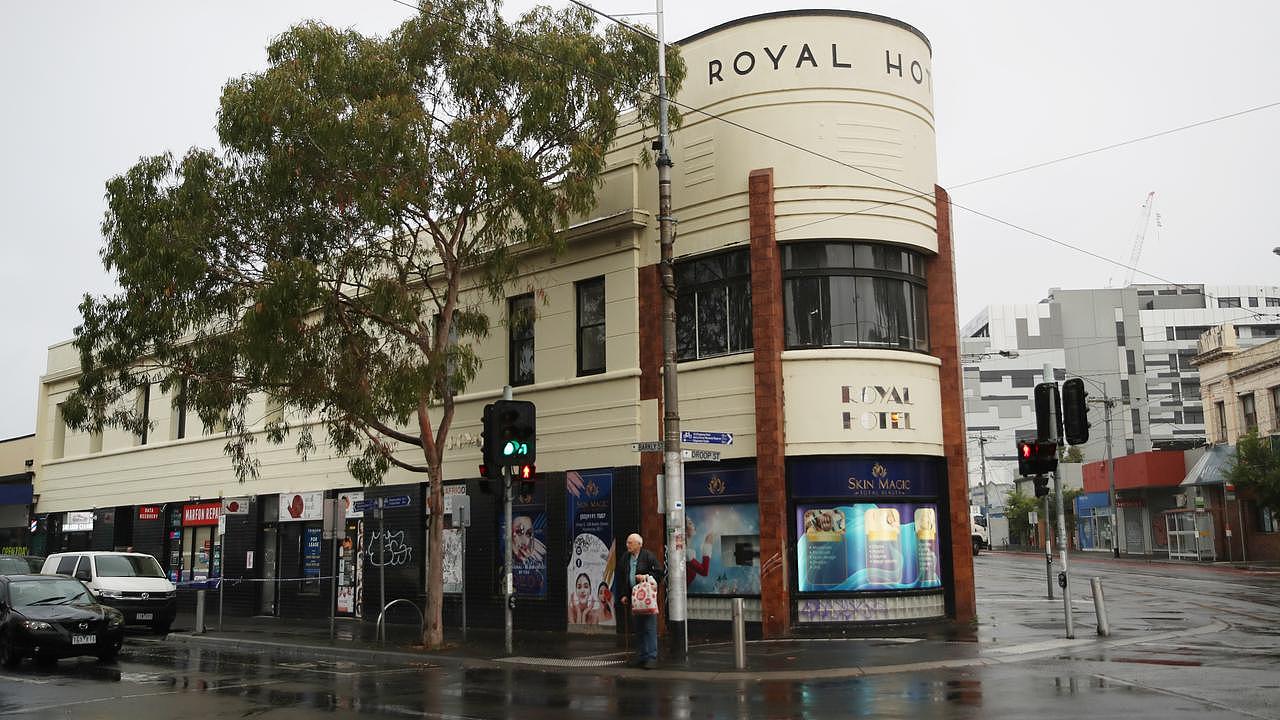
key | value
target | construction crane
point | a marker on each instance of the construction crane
(1136, 253)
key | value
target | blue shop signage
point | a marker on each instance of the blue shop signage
(866, 477)
(720, 485)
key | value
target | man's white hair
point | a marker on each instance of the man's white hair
(636, 537)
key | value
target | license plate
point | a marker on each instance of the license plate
(144, 616)
(84, 639)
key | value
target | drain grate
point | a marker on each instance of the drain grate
(561, 662)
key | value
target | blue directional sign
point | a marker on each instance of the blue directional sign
(366, 504)
(698, 437)
(395, 501)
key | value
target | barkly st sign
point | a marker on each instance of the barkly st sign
(803, 55)
(882, 407)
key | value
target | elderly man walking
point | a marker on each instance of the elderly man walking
(640, 565)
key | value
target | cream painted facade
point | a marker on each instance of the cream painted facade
(1228, 374)
(875, 113)
(839, 105)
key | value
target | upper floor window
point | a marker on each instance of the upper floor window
(1273, 302)
(1228, 302)
(1221, 409)
(591, 326)
(520, 339)
(842, 294)
(713, 305)
(144, 410)
(1250, 411)
(1275, 409)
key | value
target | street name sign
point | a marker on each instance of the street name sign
(700, 454)
(698, 437)
(645, 447)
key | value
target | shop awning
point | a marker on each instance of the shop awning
(1209, 468)
(15, 494)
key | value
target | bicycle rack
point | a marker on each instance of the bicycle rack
(382, 615)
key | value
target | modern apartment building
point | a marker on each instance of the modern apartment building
(1131, 344)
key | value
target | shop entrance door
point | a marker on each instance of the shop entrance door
(270, 551)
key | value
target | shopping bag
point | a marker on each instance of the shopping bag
(644, 598)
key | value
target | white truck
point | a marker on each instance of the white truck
(979, 531)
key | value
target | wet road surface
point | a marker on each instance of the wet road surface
(1187, 644)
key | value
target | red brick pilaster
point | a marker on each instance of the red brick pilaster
(652, 525)
(944, 340)
(771, 476)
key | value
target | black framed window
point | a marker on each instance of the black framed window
(591, 326)
(520, 339)
(842, 294)
(713, 305)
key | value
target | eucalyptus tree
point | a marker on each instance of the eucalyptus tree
(323, 254)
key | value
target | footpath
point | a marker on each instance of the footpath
(1012, 627)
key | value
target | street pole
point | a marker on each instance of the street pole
(1056, 436)
(986, 500)
(1048, 549)
(1107, 403)
(508, 589)
(673, 463)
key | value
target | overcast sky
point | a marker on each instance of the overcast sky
(89, 87)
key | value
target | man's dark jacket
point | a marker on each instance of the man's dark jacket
(646, 564)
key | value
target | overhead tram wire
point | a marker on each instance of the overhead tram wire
(911, 192)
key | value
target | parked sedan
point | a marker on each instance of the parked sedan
(49, 617)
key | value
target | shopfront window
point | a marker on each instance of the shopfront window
(841, 294)
(722, 530)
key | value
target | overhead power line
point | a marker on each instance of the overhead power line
(912, 192)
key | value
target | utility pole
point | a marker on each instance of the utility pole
(1056, 436)
(673, 462)
(508, 584)
(982, 451)
(1107, 402)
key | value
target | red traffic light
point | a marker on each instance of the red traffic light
(526, 472)
(1026, 450)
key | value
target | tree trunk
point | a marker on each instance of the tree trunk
(433, 627)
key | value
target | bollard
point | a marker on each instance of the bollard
(739, 636)
(199, 629)
(1100, 607)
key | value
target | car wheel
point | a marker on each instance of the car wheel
(108, 654)
(46, 661)
(161, 628)
(977, 546)
(10, 658)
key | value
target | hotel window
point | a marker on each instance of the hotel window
(520, 339)
(1250, 412)
(1228, 302)
(144, 411)
(713, 305)
(591, 326)
(841, 294)
(1222, 421)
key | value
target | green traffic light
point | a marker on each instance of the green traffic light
(515, 448)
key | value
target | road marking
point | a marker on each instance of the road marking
(114, 698)
(1182, 695)
(32, 681)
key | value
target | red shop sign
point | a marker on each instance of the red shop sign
(149, 512)
(203, 514)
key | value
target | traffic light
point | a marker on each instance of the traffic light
(489, 466)
(1075, 413)
(1035, 459)
(1048, 412)
(515, 433)
(1042, 485)
(525, 474)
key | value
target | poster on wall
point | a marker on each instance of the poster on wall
(867, 546)
(529, 541)
(301, 506)
(723, 552)
(348, 500)
(592, 548)
(311, 553)
(453, 569)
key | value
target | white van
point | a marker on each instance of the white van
(132, 583)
